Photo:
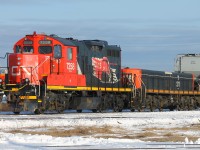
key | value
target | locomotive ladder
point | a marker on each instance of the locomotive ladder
(138, 93)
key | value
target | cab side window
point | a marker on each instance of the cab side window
(28, 49)
(57, 51)
(18, 49)
(45, 49)
(69, 54)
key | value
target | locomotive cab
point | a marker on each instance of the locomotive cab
(38, 55)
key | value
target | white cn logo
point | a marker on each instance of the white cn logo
(70, 66)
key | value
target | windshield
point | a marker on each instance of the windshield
(45, 49)
(28, 49)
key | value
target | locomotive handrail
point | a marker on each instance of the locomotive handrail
(134, 90)
(23, 87)
(142, 88)
(26, 71)
(6, 55)
(41, 63)
(45, 87)
(17, 89)
(34, 69)
(32, 78)
(166, 76)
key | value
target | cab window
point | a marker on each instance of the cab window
(45, 49)
(69, 54)
(28, 49)
(96, 48)
(57, 51)
(18, 49)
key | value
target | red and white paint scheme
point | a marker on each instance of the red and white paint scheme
(39, 56)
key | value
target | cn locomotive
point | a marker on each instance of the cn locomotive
(47, 72)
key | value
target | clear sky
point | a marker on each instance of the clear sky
(150, 32)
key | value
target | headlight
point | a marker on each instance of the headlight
(1, 80)
(26, 80)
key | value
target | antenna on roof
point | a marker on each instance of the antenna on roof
(34, 33)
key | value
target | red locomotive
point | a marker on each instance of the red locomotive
(47, 72)
(53, 73)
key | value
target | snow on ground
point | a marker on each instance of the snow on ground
(155, 130)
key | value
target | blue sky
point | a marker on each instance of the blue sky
(150, 32)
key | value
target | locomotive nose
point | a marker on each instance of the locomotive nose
(20, 67)
(14, 67)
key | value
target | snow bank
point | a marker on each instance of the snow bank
(127, 120)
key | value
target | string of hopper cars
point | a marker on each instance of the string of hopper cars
(47, 72)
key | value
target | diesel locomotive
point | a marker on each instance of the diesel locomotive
(47, 72)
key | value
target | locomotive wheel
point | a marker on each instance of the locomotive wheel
(118, 104)
(60, 111)
(160, 105)
(140, 108)
(104, 103)
(37, 111)
(171, 108)
(152, 106)
(94, 110)
(116, 109)
(100, 107)
(190, 107)
(60, 107)
(16, 112)
(160, 108)
(150, 102)
(186, 107)
(178, 107)
(192, 104)
(79, 110)
(132, 110)
(181, 107)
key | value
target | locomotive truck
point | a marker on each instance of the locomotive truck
(47, 72)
